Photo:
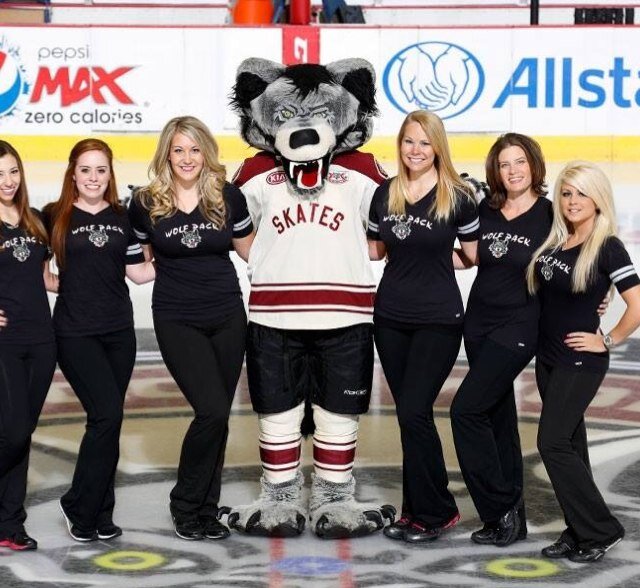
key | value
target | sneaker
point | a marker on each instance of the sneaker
(19, 541)
(77, 534)
(109, 531)
(417, 533)
(486, 535)
(558, 550)
(398, 529)
(508, 528)
(191, 530)
(592, 554)
(212, 528)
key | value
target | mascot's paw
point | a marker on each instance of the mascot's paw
(278, 512)
(335, 514)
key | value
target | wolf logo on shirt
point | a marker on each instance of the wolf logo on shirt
(191, 238)
(99, 238)
(20, 251)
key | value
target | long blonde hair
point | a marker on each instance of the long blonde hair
(159, 197)
(449, 185)
(591, 181)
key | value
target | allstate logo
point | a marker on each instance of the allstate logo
(13, 83)
(440, 77)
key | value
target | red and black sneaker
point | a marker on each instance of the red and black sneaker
(19, 541)
(418, 533)
(399, 528)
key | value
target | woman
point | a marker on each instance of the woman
(414, 220)
(571, 271)
(27, 344)
(188, 217)
(500, 334)
(94, 247)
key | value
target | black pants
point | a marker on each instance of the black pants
(416, 363)
(562, 441)
(98, 368)
(485, 428)
(205, 360)
(26, 372)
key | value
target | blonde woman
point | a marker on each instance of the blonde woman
(188, 218)
(572, 271)
(414, 220)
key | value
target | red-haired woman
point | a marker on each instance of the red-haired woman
(95, 248)
(27, 345)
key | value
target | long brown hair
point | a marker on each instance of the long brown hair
(535, 159)
(29, 222)
(61, 210)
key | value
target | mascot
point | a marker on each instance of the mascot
(309, 345)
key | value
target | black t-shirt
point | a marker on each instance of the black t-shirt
(564, 311)
(195, 278)
(499, 305)
(418, 285)
(22, 293)
(93, 297)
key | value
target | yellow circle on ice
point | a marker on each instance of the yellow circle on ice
(129, 561)
(522, 567)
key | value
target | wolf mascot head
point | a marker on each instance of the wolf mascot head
(304, 114)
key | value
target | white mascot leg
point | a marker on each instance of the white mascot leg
(278, 512)
(334, 512)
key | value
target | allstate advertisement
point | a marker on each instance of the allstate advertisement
(543, 81)
(66, 81)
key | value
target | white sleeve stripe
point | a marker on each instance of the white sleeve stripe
(373, 227)
(134, 249)
(470, 228)
(620, 270)
(243, 224)
(140, 234)
(620, 277)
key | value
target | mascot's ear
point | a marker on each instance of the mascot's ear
(359, 78)
(253, 76)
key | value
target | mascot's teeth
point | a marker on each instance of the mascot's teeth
(316, 166)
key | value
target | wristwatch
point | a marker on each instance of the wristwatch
(608, 341)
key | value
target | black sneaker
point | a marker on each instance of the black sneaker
(212, 528)
(109, 531)
(558, 550)
(592, 554)
(398, 529)
(191, 530)
(508, 528)
(417, 533)
(486, 535)
(19, 541)
(77, 534)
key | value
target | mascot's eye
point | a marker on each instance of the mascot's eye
(321, 114)
(285, 114)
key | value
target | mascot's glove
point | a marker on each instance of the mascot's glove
(480, 189)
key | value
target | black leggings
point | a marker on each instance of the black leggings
(98, 368)
(205, 360)
(562, 441)
(416, 363)
(26, 372)
(484, 421)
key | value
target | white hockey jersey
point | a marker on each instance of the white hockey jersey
(309, 265)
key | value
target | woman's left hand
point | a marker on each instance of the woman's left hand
(581, 341)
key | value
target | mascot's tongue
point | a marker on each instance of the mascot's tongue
(307, 174)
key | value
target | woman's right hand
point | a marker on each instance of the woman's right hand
(3, 320)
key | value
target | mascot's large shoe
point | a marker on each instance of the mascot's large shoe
(334, 513)
(278, 512)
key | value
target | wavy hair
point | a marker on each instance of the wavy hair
(590, 180)
(29, 221)
(449, 186)
(159, 197)
(535, 160)
(60, 211)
